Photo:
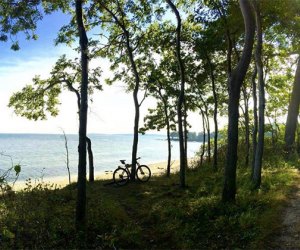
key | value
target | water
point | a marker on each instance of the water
(45, 155)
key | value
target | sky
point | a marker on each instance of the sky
(111, 112)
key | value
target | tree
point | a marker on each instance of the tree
(19, 16)
(293, 112)
(123, 24)
(235, 82)
(256, 175)
(181, 111)
(81, 183)
(39, 99)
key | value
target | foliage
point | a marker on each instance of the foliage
(35, 101)
(18, 16)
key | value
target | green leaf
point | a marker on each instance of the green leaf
(7, 234)
(17, 169)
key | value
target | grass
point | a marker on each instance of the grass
(155, 215)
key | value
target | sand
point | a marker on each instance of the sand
(62, 181)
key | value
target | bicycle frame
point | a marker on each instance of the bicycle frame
(128, 166)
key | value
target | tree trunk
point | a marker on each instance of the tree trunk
(88, 140)
(180, 103)
(235, 82)
(212, 77)
(293, 112)
(207, 128)
(168, 135)
(204, 138)
(91, 159)
(185, 135)
(298, 139)
(261, 94)
(81, 183)
(169, 150)
(255, 122)
(208, 135)
(247, 129)
(136, 107)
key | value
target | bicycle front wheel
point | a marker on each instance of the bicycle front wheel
(143, 173)
(121, 176)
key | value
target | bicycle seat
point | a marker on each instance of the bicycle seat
(122, 161)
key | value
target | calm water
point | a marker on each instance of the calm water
(45, 155)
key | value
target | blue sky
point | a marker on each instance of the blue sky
(112, 110)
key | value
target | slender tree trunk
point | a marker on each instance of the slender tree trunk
(180, 103)
(298, 139)
(204, 138)
(208, 135)
(81, 183)
(207, 127)
(136, 106)
(247, 129)
(168, 136)
(261, 94)
(67, 154)
(255, 122)
(212, 77)
(88, 140)
(185, 135)
(91, 159)
(235, 82)
(169, 150)
(293, 112)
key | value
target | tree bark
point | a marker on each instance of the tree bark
(208, 134)
(88, 140)
(235, 82)
(256, 176)
(91, 159)
(293, 112)
(167, 120)
(212, 77)
(81, 183)
(255, 117)
(247, 129)
(298, 139)
(207, 127)
(136, 107)
(180, 103)
(185, 126)
(204, 137)
(169, 141)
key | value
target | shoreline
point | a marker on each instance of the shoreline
(157, 169)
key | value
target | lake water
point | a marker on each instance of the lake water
(45, 155)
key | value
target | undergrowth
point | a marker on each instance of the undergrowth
(155, 215)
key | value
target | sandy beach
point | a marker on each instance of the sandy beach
(62, 181)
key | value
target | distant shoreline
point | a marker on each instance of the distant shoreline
(157, 169)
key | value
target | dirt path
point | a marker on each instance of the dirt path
(289, 236)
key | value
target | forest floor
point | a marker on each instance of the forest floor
(159, 214)
(288, 236)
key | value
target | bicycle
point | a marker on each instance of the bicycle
(121, 175)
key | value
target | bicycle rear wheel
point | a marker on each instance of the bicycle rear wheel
(143, 173)
(121, 176)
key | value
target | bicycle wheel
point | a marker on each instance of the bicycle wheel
(121, 176)
(143, 173)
